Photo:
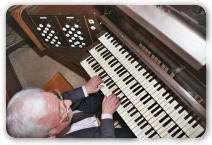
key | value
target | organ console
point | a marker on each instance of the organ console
(152, 57)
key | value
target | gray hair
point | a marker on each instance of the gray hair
(23, 112)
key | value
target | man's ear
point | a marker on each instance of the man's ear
(50, 136)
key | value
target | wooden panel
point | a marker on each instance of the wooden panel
(12, 83)
(7, 98)
(65, 9)
(58, 82)
(16, 12)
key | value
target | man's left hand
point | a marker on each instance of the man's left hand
(93, 85)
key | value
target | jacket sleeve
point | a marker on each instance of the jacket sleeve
(74, 95)
(107, 128)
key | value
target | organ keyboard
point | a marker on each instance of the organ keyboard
(136, 58)
(149, 107)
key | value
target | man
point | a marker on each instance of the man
(35, 113)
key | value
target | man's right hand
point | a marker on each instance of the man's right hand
(110, 104)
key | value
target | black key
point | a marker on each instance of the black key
(96, 67)
(151, 74)
(195, 117)
(133, 113)
(118, 44)
(150, 107)
(172, 94)
(125, 50)
(91, 61)
(129, 81)
(117, 68)
(139, 64)
(134, 85)
(152, 134)
(158, 113)
(175, 98)
(89, 58)
(198, 122)
(190, 114)
(146, 72)
(115, 42)
(94, 64)
(120, 70)
(142, 67)
(114, 63)
(111, 86)
(126, 78)
(127, 104)
(162, 86)
(124, 47)
(141, 122)
(115, 90)
(178, 105)
(123, 97)
(123, 73)
(184, 108)
(162, 119)
(181, 135)
(132, 57)
(109, 36)
(159, 82)
(164, 94)
(134, 60)
(144, 97)
(131, 109)
(139, 92)
(150, 98)
(100, 48)
(151, 129)
(176, 132)
(109, 83)
(118, 93)
(153, 78)
(103, 76)
(109, 56)
(167, 122)
(128, 54)
(142, 127)
(170, 130)
(102, 73)
(114, 39)
(124, 101)
(107, 80)
(136, 89)
(156, 108)
(105, 55)
(111, 61)
(106, 34)
(104, 52)
(137, 119)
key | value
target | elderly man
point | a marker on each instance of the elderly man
(36, 113)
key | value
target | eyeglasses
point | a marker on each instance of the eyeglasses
(67, 118)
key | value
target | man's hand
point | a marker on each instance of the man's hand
(110, 104)
(93, 85)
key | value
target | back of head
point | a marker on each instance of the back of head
(23, 112)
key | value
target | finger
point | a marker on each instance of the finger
(117, 99)
(105, 97)
(100, 86)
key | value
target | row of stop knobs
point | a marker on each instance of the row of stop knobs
(74, 34)
(49, 34)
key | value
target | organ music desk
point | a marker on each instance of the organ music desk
(153, 57)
